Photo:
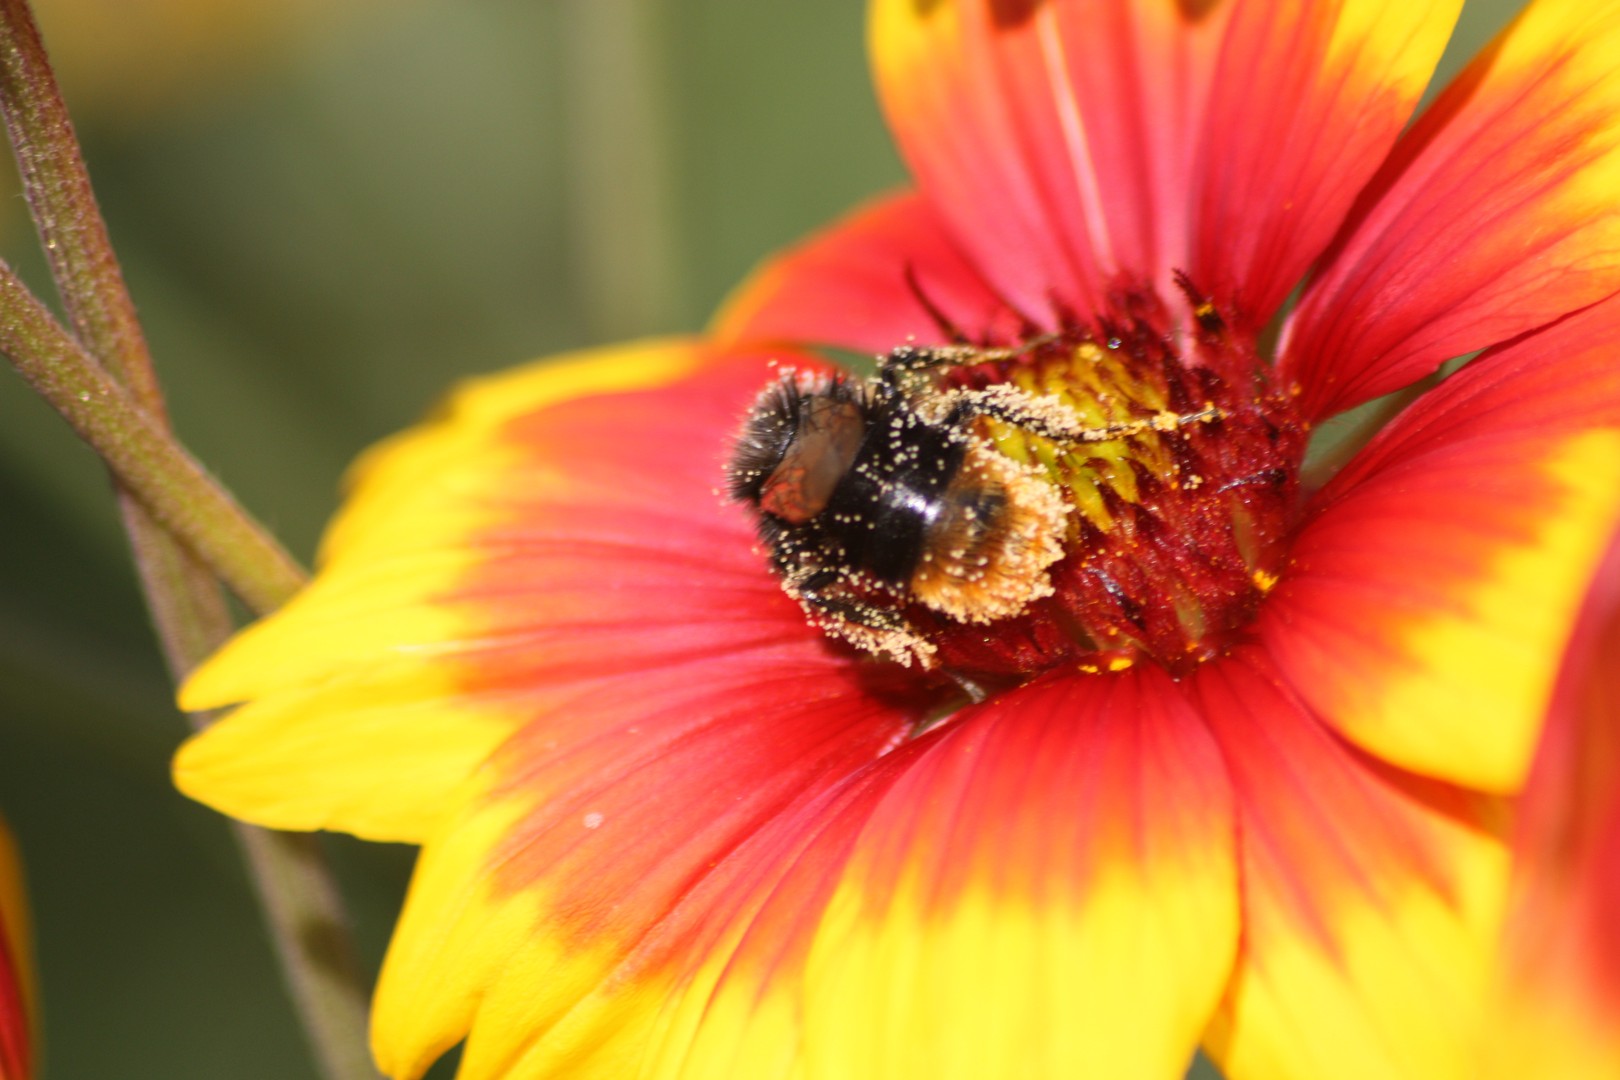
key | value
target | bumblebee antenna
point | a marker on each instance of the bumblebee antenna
(935, 312)
(1203, 306)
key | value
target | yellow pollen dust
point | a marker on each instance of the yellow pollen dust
(993, 567)
(1114, 665)
(1098, 389)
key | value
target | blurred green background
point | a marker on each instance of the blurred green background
(327, 212)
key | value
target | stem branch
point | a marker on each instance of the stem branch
(163, 495)
(64, 208)
(171, 485)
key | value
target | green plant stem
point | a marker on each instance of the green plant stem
(100, 310)
(301, 902)
(308, 923)
(176, 491)
(119, 408)
(313, 940)
(70, 225)
(103, 318)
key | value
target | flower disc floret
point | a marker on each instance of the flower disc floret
(1179, 525)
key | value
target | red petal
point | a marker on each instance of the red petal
(1429, 594)
(610, 547)
(15, 1016)
(1045, 884)
(1369, 899)
(1305, 104)
(868, 282)
(669, 700)
(1559, 1007)
(598, 822)
(14, 1026)
(1047, 890)
(359, 714)
(1496, 214)
(1055, 139)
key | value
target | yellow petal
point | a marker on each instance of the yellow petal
(1427, 600)
(359, 714)
(1371, 900)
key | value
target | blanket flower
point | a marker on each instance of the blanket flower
(1237, 780)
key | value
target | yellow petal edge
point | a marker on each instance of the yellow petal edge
(352, 718)
(1479, 675)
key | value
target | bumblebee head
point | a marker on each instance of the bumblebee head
(797, 444)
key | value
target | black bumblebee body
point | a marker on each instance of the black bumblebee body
(875, 493)
(883, 473)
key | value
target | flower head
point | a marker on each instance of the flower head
(15, 1015)
(1237, 780)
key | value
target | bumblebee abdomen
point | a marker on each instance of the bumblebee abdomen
(998, 527)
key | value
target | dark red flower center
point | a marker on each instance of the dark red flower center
(1178, 529)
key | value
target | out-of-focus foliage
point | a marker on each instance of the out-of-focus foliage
(328, 212)
(127, 59)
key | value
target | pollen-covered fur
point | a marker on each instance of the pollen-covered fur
(1000, 527)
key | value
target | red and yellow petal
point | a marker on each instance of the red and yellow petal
(885, 275)
(1073, 148)
(596, 693)
(1495, 215)
(713, 988)
(1044, 886)
(1305, 103)
(1371, 899)
(1047, 890)
(16, 991)
(1427, 599)
(580, 845)
(1055, 139)
(1557, 1010)
(535, 538)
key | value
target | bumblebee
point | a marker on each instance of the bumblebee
(874, 494)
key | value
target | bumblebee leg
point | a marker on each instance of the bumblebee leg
(907, 360)
(834, 609)
(868, 626)
(1049, 418)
